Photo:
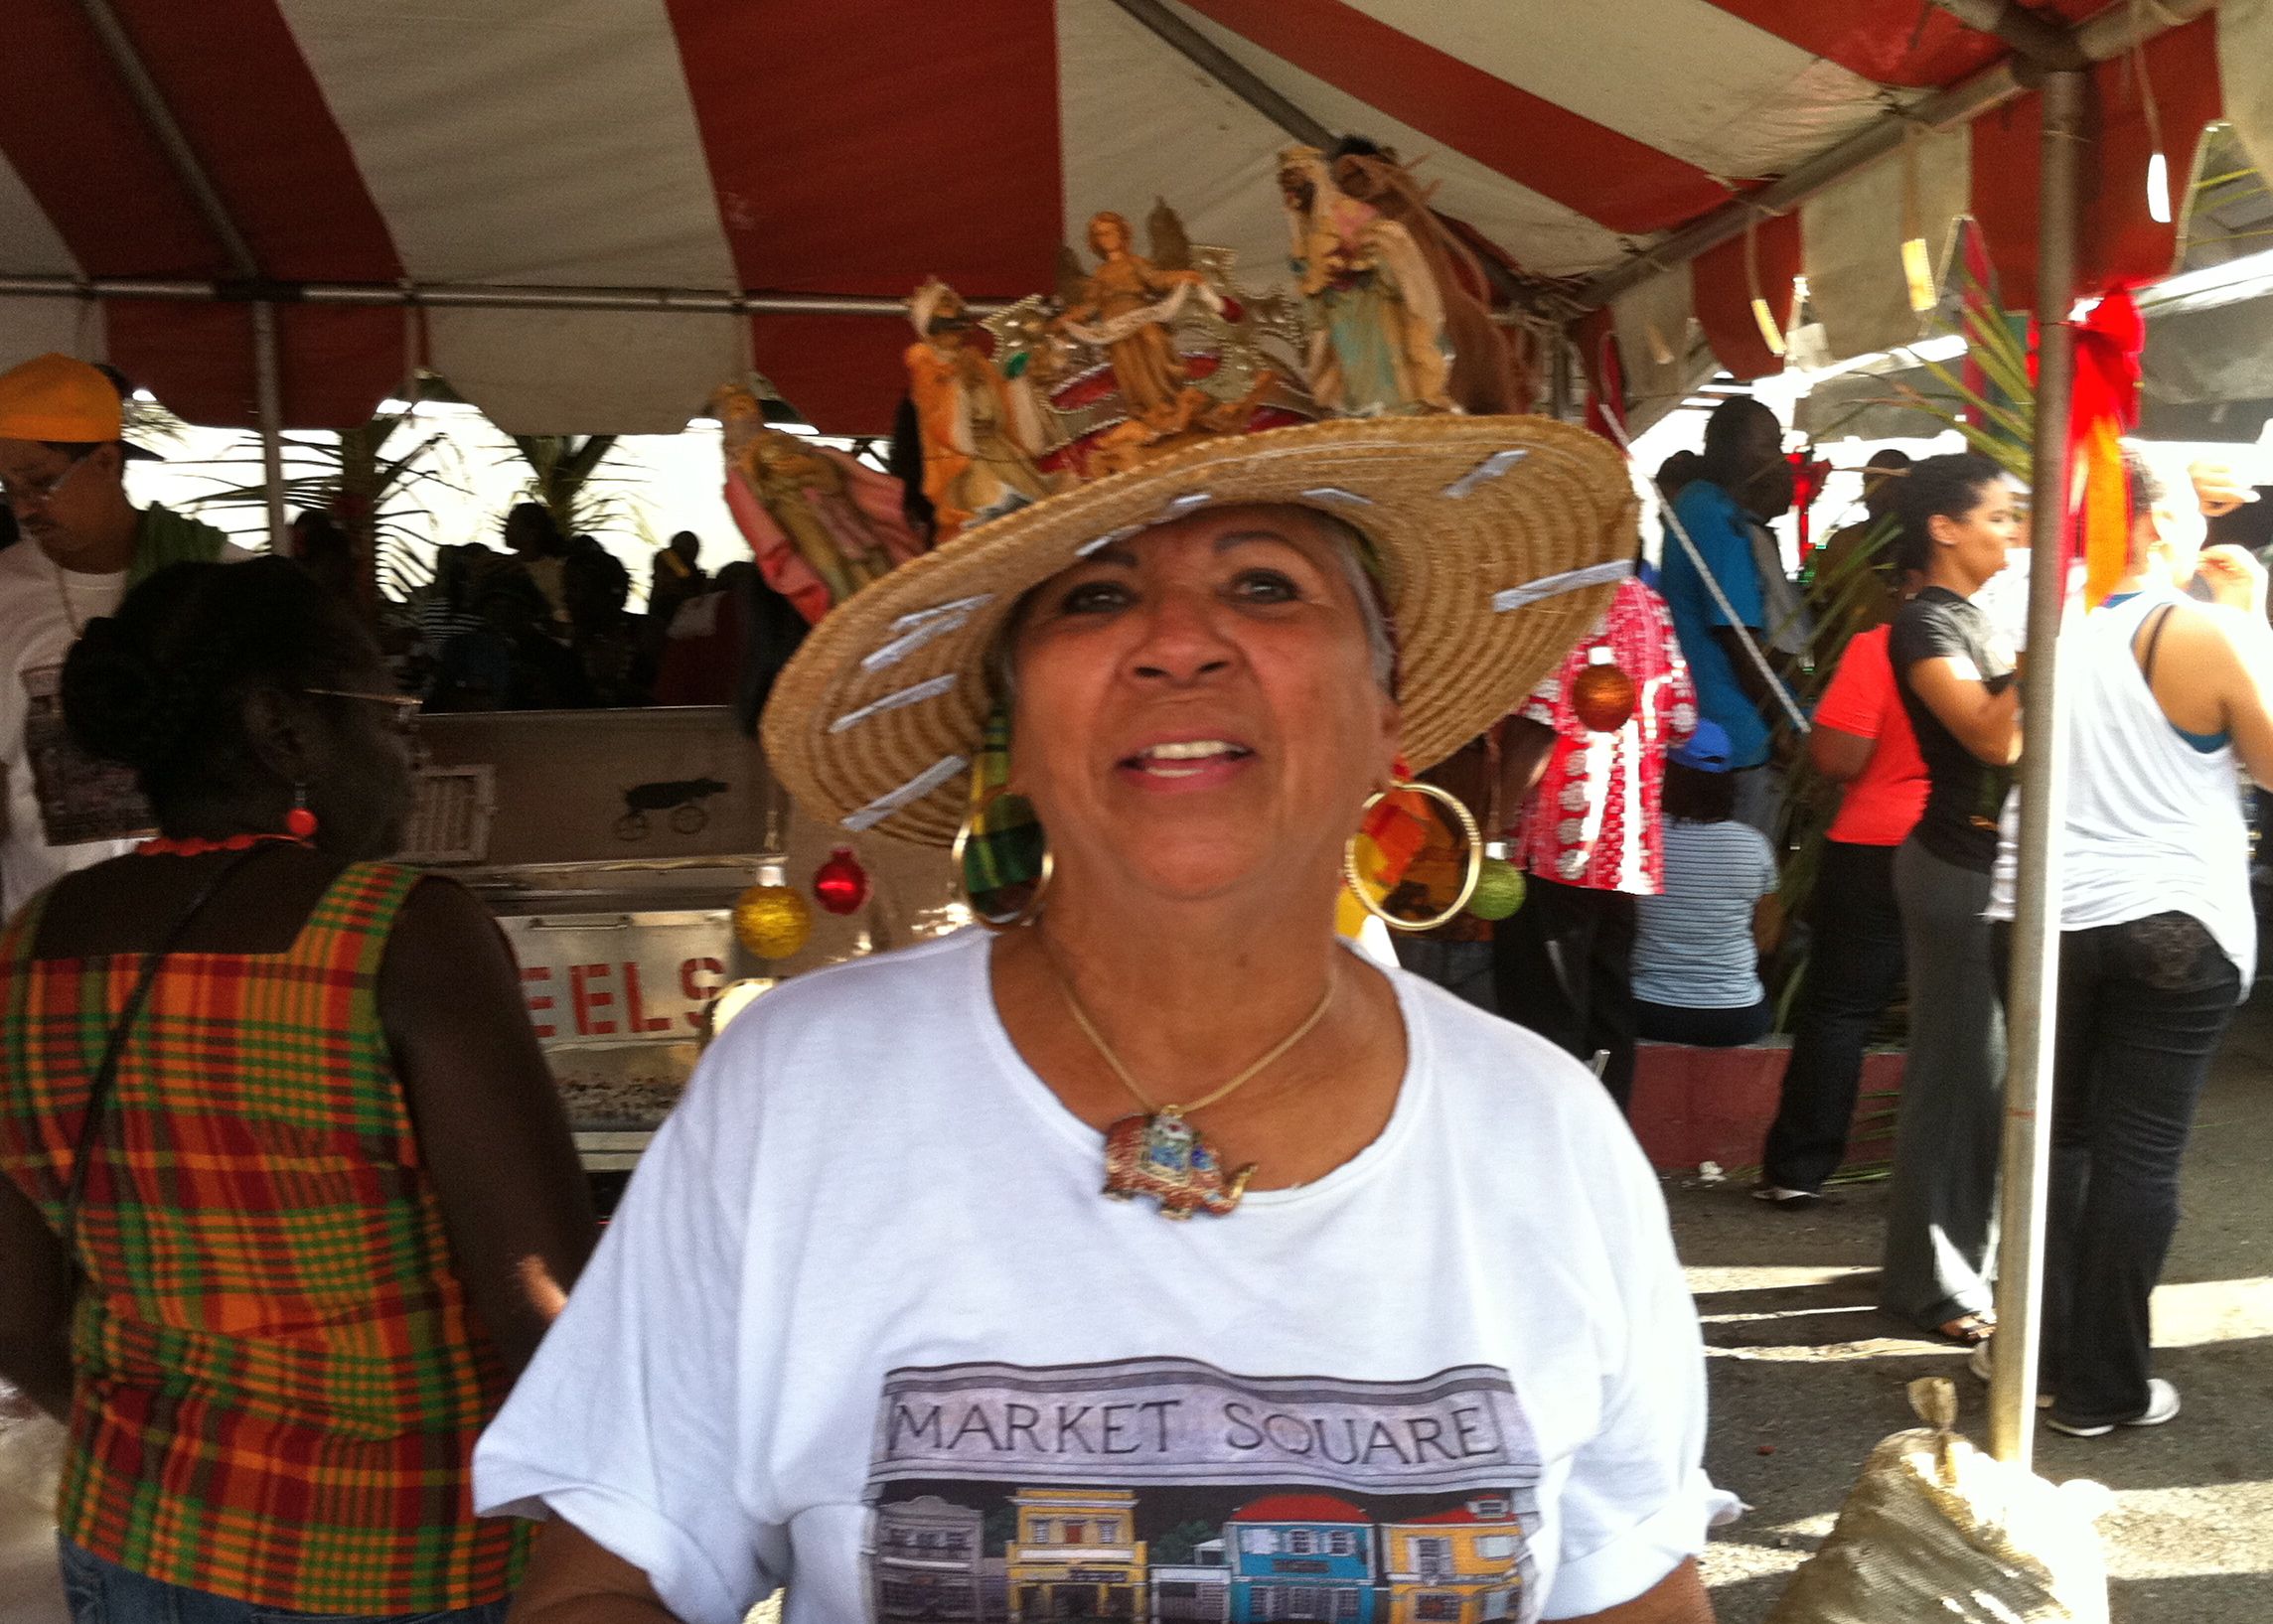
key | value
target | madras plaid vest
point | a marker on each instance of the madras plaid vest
(278, 1388)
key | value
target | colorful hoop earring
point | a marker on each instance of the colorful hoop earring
(1001, 850)
(1363, 888)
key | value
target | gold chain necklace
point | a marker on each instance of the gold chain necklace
(1159, 1153)
(62, 596)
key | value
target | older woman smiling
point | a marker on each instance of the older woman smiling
(864, 1326)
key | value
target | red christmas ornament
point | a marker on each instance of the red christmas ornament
(840, 884)
(1603, 696)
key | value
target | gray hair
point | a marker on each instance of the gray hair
(1352, 552)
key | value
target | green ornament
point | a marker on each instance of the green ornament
(1499, 890)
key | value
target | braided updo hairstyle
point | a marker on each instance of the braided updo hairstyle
(159, 685)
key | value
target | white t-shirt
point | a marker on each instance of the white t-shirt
(1693, 946)
(39, 846)
(35, 632)
(864, 1326)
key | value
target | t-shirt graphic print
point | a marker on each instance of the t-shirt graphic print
(1168, 1489)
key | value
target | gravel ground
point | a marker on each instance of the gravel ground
(1806, 1375)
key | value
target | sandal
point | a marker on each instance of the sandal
(1967, 1330)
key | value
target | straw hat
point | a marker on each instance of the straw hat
(1498, 542)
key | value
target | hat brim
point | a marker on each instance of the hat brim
(1498, 543)
(130, 452)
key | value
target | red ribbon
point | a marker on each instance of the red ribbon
(2104, 407)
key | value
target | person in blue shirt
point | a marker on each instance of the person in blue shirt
(1743, 479)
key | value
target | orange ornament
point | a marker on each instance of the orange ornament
(1603, 696)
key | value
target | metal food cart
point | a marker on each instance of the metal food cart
(611, 846)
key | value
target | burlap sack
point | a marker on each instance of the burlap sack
(1938, 1532)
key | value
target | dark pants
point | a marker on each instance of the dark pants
(1853, 965)
(1462, 968)
(1941, 1204)
(1563, 963)
(1704, 1028)
(101, 1592)
(2142, 1006)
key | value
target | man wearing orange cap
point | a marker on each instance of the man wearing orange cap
(62, 462)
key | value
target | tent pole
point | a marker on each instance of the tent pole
(2032, 1006)
(1229, 72)
(270, 400)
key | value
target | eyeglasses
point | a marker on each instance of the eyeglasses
(41, 492)
(403, 707)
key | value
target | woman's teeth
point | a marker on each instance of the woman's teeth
(1165, 759)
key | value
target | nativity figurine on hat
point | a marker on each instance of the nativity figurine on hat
(1378, 344)
(981, 429)
(820, 524)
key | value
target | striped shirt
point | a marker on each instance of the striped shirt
(1693, 946)
(278, 1385)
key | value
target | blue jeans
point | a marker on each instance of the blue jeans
(102, 1592)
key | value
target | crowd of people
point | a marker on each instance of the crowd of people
(1657, 850)
(547, 625)
(289, 1211)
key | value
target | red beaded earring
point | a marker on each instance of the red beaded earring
(300, 822)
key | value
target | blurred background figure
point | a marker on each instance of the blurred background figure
(675, 577)
(1955, 674)
(321, 545)
(1742, 482)
(2158, 938)
(1862, 742)
(1589, 833)
(1698, 944)
(273, 1370)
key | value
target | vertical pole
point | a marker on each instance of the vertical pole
(2032, 1003)
(270, 388)
(1559, 380)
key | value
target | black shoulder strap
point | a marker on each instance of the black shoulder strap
(2154, 642)
(105, 1078)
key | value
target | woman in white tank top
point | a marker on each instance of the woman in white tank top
(2169, 698)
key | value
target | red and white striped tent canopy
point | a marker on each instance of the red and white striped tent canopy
(853, 148)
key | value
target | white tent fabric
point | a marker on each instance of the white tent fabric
(849, 149)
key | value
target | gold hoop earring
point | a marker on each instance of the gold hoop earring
(1001, 853)
(1026, 892)
(1370, 831)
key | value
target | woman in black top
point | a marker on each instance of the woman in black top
(1955, 678)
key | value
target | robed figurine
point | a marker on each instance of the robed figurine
(980, 431)
(820, 524)
(1378, 344)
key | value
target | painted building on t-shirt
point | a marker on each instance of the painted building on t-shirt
(1197, 1591)
(1300, 1557)
(1458, 1566)
(1076, 1554)
(929, 1562)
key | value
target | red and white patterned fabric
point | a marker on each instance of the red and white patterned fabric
(1593, 822)
(856, 147)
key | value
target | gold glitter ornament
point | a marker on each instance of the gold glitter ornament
(772, 920)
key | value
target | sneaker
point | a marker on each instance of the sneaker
(1978, 1363)
(2161, 1406)
(1775, 1195)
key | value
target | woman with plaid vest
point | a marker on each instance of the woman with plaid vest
(286, 1194)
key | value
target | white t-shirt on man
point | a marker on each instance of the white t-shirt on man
(43, 607)
(64, 811)
(864, 1326)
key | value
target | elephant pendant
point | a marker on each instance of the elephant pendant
(1163, 1156)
